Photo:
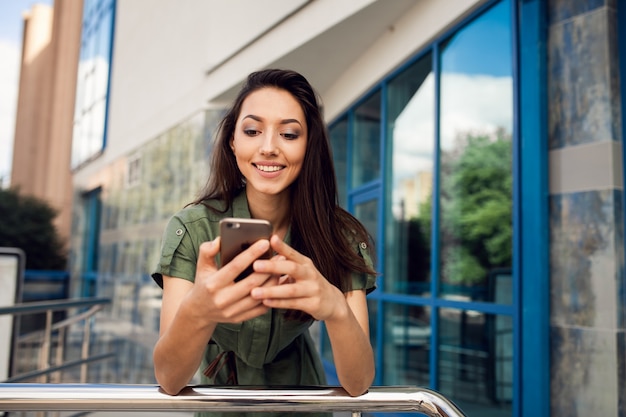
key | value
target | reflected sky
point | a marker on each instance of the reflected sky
(476, 96)
(476, 78)
(484, 48)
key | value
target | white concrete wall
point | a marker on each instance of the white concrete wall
(172, 59)
(407, 36)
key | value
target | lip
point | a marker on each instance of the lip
(269, 174)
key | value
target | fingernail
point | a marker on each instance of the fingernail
(256, 292)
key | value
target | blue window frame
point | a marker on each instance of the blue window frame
(94, 73)
(92, 205)
(479, 319)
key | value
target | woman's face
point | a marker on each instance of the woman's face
(270, 140)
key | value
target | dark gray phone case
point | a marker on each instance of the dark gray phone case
(237, 235)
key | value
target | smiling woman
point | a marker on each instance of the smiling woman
(269, 143)
(271, 161)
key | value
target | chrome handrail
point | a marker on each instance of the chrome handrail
(114, 397)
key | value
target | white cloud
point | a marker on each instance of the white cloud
(9, 78)
(469, 103)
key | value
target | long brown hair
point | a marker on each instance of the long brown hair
(320, 228)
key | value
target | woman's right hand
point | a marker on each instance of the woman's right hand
(190, 311)
(218, 298)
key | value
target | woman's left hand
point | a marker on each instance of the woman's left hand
(302, 286)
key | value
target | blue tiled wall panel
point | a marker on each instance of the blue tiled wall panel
(582, 79)
(584, 377)
(586, 256)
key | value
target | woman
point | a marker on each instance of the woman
(272, 161)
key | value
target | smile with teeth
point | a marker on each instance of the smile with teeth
(269, 168)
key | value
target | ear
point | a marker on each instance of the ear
(232, 143)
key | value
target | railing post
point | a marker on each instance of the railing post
(85, 349)
(59, 353)
(44, 357)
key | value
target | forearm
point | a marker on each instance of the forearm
(178, 353)
(352, 352)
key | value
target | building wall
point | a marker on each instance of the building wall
(170, 62)
(586, 211)
(43, 130)
(175, 67)
(173, 70)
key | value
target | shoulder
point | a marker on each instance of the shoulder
(207, 211)
(199, 222)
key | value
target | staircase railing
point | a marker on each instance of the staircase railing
(51, 361)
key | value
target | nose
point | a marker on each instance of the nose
(269, 145)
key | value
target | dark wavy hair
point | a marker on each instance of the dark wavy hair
(320, 228)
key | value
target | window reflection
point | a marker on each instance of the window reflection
(476, 360)
(407, 345)
(475, 159)
(367, 213)
(92, 81)
(366, 142)
(410, 146)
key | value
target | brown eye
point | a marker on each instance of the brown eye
(291, 136)
(250, 132)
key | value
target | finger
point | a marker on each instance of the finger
(278, 268)
(287, 304)
(287, 251)
(291, 291)
(286, 279)
(240, 262)
(206, 255)
(244, 311)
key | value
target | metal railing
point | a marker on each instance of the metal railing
(50, 362)
(113, 397)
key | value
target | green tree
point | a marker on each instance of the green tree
(27, 223)
(476, 208)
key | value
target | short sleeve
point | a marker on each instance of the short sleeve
(178, 253)
(362, 281)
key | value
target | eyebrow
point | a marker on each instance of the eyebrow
(282, 122)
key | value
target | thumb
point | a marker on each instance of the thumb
(206, 255)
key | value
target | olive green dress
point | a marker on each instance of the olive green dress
(263, 351)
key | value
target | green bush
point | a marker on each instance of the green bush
(27, 223)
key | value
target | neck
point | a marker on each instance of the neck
(274, 208)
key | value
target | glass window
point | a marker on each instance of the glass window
(367, 213)
(366, 141)
(339, 143)
(447, 202)
(476, 361)
(410, 149)
(407, 345)
(475, 201)
(93, 81)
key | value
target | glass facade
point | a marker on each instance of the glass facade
(132, 213)
(410, 132)
(425, 161)
(92, 89)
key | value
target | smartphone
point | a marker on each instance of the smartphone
(237, 235)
